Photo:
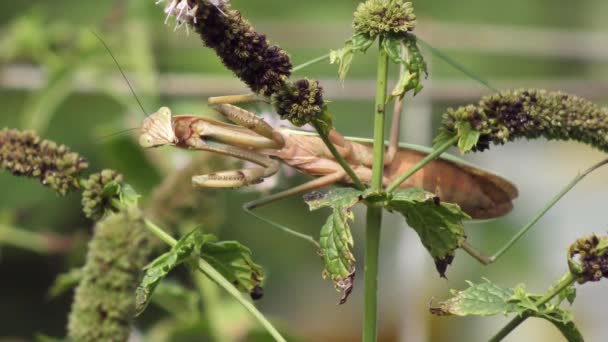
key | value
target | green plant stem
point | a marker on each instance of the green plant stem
(211, 301)
(488, 260)
(217, 277)
(372, 251)
(349, 171)
(310, 62)
(548, 206)
(23, 239)
(374, 211)
(565, 282)
(429, 158)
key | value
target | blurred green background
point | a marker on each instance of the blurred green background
(55, 77)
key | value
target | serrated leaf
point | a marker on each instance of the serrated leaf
(337, 198)
(234, 262)
(468, 137)
(484, 299)
(65, 282)
(336, 239)
(161, 266)
(442, 138)
(438, 224)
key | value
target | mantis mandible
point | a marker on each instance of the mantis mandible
(479, 193)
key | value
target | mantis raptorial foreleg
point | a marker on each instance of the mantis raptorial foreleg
(314, 184)
(250, 121)
(486, 260)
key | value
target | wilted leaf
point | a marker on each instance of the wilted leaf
(484, 299)
(345, 55)
(336, 240)
(161, 266)
(234, 262)
(392, 47)
(438, 224)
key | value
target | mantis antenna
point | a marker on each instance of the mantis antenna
(121, 72)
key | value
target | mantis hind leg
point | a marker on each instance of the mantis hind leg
(300, 189)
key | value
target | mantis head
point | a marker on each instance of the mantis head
(157, 130)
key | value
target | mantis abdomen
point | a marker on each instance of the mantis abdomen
(479, 193)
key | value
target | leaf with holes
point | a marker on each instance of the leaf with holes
(438, 224)
(336, 240)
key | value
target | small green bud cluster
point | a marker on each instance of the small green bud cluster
(97, 197)
(531, 114)
(104, 302)
(375, 17)
(588, 258)
(264, 68)
(23, 153)
(300, 102)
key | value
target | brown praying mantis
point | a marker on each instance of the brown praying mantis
(481, 194)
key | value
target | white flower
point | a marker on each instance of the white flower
(184, 13)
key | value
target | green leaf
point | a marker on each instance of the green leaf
(392, 47)
(161, 266)
(468, 136)
(336, 239)
(484, 299)
(344, 56)
(234, 262)
(128, 195)
(442, 138)
(65, 282)
(438, 224)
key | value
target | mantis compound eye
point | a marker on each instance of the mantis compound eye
(146, 141)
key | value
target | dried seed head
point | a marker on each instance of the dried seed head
(532, 114)
(97, 197)
(588, 258)
(246, 52)
(375, 17)
(23, 153)
(157, 130)
(300, 102)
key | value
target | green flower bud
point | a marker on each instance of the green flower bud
(300, 102)
(588, 258)
(97, 195)
(375, 17)
(23, 153)
(531, 114)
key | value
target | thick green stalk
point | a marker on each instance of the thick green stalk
(374, 212)
(566, 281)
(217, 277)
(434, 155)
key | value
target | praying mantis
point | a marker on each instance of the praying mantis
(481, 194)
